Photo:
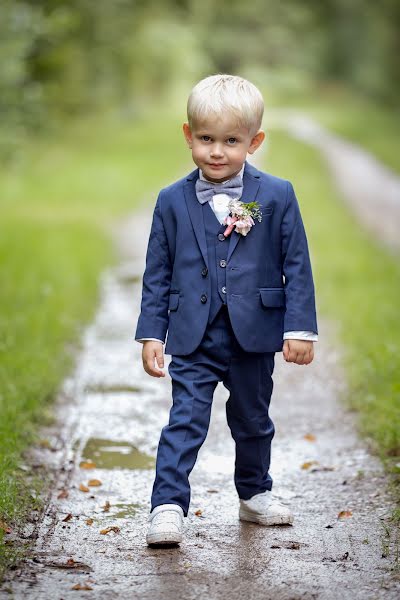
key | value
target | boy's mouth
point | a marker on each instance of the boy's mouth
(216, 165)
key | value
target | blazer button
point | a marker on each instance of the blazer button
(204, 272)
(223, 290)
(221, 237)
(222, 263)
(203, 298)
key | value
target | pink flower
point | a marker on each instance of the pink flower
(244, 225)
(229, 220)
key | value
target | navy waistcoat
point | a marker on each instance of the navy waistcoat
(217, 250)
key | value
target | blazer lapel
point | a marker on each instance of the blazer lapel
(196, 213)
(251, 184)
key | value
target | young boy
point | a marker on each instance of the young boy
(232, 287)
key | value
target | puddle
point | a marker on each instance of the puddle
(113, 388)
(110, 454)
(124, 511)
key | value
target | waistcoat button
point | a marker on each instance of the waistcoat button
(204, 272)
(222, 263)
(203, 298)
(223, 290)
(221, 237)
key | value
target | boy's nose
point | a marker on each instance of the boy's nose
(216, 150)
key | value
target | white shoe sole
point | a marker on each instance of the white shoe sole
(245, 515)
(164, 538)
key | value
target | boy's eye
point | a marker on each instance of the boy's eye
(231, 140)
(205, 138)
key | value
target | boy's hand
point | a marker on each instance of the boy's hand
(153, 350)
(300, 352)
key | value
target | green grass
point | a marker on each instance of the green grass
(358, 286)
(56, 206)
(375, 128)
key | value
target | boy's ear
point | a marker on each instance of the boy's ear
(256, 141)
(188, 134)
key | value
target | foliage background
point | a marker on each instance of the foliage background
(60, 59)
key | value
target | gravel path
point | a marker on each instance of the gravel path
(111, 412)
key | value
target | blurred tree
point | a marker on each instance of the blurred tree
(61, 58)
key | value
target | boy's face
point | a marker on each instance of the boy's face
(219, 146)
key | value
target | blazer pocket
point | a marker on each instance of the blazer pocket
(272, 297)
(267, 210)
(173, 301)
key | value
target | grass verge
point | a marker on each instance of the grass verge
(56, 205)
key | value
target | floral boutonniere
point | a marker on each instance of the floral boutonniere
(241, 217)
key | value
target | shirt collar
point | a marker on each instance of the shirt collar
(240, 174)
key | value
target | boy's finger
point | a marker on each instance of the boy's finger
(151, 369)
(308, 357)
(160, 358)
(149, 366)
(301, 358)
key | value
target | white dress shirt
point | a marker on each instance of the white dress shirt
(219, 205)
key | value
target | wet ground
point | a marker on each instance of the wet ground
(101, 451)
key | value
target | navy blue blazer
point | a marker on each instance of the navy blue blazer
(269, 281)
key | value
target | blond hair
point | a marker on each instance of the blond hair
(218, 94)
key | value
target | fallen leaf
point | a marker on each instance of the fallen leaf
(89, 521)
(310, 437)
(81, 586)
(307, 465)
(94, 482)
(107, 506)
(63, 494)
(83, 487)
(108, 529)
(5, 527)
(87, 464)
(44, 443)
(198, 513)
(68, 517)
(70, 563)
(344, 513)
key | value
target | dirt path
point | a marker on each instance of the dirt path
(371, 190)
(111, 412)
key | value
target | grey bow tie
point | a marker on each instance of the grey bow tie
(205, 190)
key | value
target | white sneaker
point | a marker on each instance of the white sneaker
(165, 524)
(263, 509)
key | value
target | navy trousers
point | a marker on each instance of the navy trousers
(248, 377)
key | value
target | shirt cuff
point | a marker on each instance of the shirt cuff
(310, 336)
(153, 339)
